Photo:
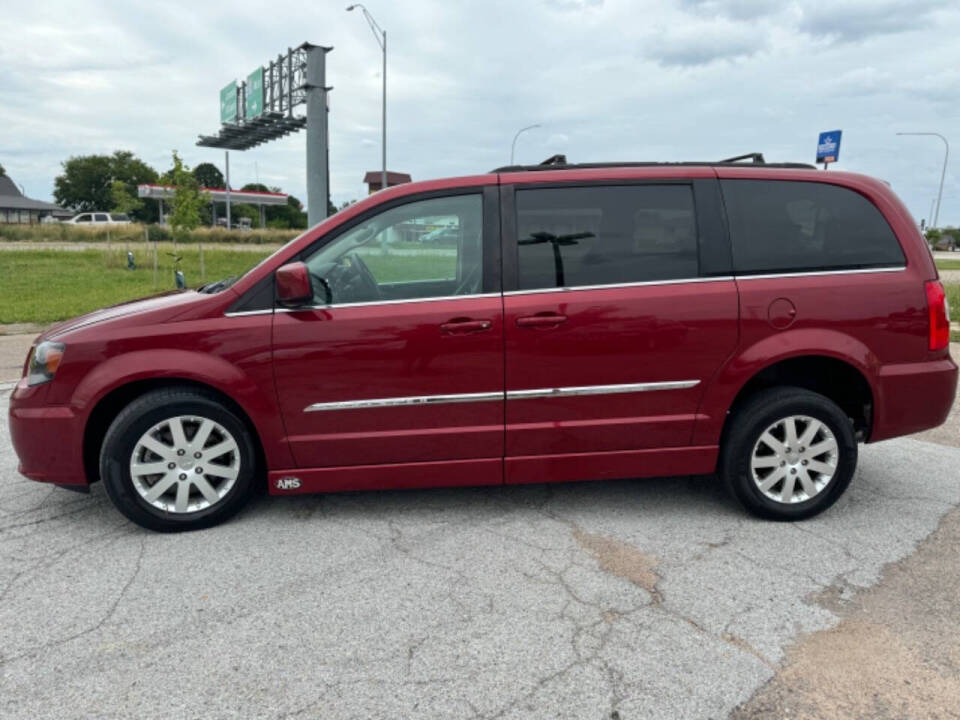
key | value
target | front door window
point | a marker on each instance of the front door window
(425, 249)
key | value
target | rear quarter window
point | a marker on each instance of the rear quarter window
(793, 226)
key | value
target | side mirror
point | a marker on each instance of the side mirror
(293, 285)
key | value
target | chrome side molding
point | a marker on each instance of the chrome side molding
(601, 389)
(819, 273)
(508, 395)
(402, 401)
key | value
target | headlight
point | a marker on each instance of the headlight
(44, 362)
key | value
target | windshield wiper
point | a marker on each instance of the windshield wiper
(217, 286)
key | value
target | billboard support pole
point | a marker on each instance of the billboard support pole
(317, 145)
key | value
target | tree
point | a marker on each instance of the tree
(2, 171)
(126, 166)
(187, 201)
(209, 175)
(281, 217)
(122, 200)
(86, 183)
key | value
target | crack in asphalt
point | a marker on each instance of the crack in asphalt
(99, 624)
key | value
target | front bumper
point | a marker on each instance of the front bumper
(912, 397)
(48, 440)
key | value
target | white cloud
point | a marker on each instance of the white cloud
(700, 42)
(855, 20)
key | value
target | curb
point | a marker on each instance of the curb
(23, 328)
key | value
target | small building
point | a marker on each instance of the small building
(15, 207)
(374, 180)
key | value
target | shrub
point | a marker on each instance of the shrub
(63, 232)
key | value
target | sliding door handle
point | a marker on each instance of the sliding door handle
(548, 320)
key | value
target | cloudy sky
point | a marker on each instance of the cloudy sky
(607, 80)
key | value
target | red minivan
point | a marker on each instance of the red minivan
(534, 324)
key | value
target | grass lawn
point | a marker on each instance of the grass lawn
(948, 264)
(953, 299)
(43, 286)
(47, 285)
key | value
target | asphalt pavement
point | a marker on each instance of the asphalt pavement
(628, 599)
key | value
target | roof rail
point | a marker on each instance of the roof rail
(755, 158)
(559, 162)
(555, 160)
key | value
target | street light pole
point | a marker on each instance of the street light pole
(513, 145)
(943, 173)
(381, 36)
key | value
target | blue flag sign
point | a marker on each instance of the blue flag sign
(828, 146)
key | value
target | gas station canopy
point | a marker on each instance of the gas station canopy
(248, 197)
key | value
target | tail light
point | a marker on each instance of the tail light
(939, 315)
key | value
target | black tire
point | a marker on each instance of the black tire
(758, 413)
(143, 414)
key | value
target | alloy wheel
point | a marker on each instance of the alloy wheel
(185, 464)
(794, 459)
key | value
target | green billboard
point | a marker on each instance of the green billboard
(228, 103)
(254, 102)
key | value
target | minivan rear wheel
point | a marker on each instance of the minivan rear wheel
(789, 454)
(178, 459)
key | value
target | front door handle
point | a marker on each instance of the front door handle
(461, 326)
(546, 320)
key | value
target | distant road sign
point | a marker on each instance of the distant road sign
(254, 103)
(228, 103)
(828, 146)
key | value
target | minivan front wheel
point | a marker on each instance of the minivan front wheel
(177, 459)
(790, 453)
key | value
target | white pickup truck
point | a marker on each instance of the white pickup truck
(99, 218)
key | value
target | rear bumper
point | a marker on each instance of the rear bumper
(912, 397)
(48, 440)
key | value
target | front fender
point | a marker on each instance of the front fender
(257, 400)
(744, 364)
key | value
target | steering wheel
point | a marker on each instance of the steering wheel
(320, 281)
(366, 277)
(346, 281)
